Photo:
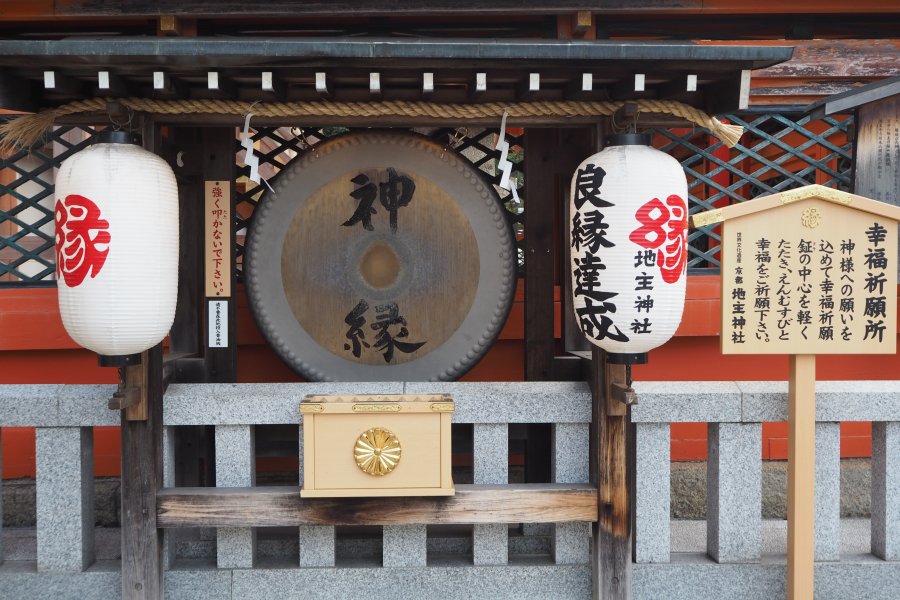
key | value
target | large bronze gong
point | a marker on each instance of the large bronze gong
(381, 257)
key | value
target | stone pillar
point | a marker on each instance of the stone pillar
(317, 542)
(405, 546)
(490, 464)
(734, 492)
(886, 490)
(828, 491)
(65, 498)
(570, 464)
(235, 467)
(652, 502)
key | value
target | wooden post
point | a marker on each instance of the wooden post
(611, 561)
(801, 475)
(142, 572)
(539, 258)
(186, 334)
(218, 157)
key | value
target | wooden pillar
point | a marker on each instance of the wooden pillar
(218, 165)
(551, 157)
(184, 154)
(611, 562)
(142, 463)
(142, 572)
(542, 194)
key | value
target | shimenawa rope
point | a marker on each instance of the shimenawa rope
(27, 130)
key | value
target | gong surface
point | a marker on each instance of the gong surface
(380, 256)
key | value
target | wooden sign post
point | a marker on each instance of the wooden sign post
(805, 272)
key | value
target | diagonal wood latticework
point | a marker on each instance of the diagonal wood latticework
(26, 206)
(276, 147)
(778, 151)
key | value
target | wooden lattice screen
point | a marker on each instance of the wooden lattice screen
(778, 151)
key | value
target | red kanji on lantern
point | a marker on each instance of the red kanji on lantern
(663, 228)
(82, 239)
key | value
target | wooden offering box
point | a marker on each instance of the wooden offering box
(397, 445)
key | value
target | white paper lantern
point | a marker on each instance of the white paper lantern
(116, 248)
(628, 236)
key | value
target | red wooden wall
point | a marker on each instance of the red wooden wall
(34, 348)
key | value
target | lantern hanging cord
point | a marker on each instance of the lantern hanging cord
(25, 131)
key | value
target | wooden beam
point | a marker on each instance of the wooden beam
(680, 88)
(166, 86)
(137, 376)
(172, 25)
(278, 506)
(17, 93)
(632, 88)
(218, 85)
(732, 94)
(64, 85)
(528, 87)
(577, 25)
(362, 8)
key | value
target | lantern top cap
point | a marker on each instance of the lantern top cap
(110, 136)
(807, 192)
(629, 139)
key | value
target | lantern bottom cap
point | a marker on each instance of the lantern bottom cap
(118, 360)
(624, 358)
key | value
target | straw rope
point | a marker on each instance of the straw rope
(25, 131)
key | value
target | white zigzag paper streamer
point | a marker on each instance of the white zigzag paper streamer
(504, 164)
(250, 159)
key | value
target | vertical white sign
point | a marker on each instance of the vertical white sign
(218, 324)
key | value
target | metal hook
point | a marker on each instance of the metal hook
(119, 126)
(454, 139)
(300, 136)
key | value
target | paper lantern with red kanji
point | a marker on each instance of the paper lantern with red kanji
(628, 238)
(116, 248)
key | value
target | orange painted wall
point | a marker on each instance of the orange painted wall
(34, 348)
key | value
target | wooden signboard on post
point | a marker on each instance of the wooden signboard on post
(217, 239)
(804, 272)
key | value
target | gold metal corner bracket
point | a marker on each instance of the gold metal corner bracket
(710, 217)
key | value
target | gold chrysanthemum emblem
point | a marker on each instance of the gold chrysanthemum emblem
(377, 451)
(811, 218)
